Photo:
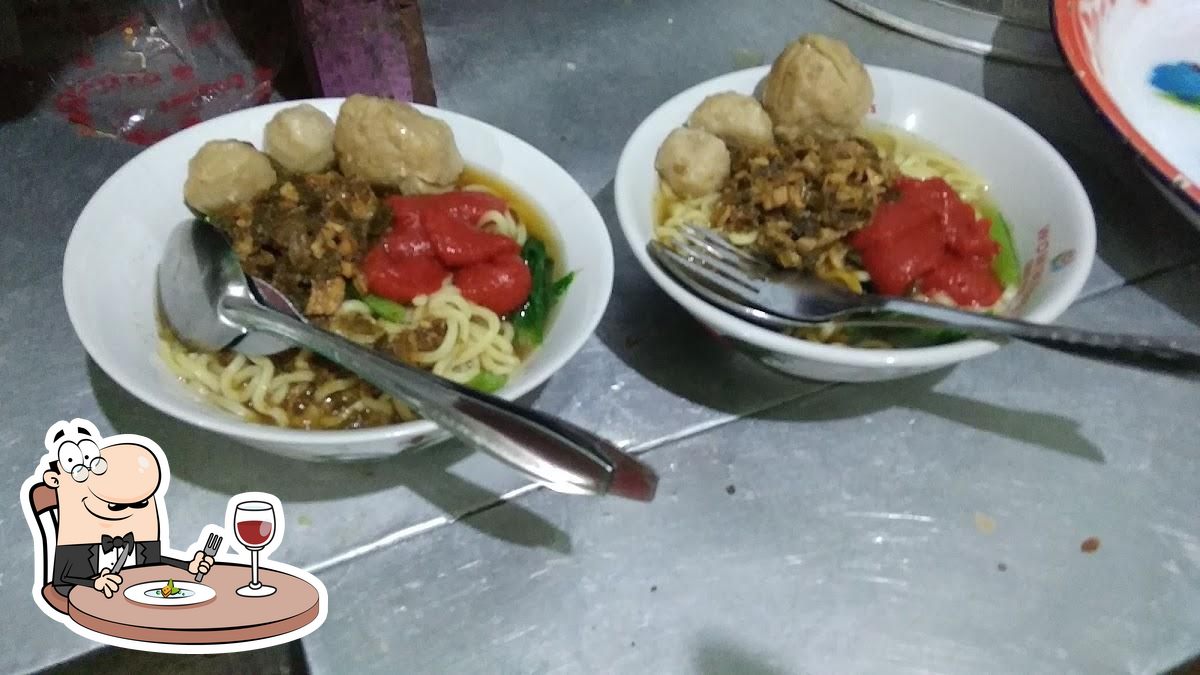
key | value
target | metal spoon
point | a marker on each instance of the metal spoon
(207, 300)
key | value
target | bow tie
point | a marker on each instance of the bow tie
(108, 543)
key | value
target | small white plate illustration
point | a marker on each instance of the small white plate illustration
(150, 593)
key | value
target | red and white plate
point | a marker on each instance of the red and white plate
(1122, 52)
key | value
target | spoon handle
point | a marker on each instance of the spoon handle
(1175, 353)
(562, 456)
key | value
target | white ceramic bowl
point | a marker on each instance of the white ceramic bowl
(1048, 211)
(114, 249)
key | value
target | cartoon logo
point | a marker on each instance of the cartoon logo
(1062, 260)
(103, 565)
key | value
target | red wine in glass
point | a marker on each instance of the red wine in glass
(254, 532)
(254, 524)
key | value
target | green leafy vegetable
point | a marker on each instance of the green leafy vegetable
(1006, 266)
(1175, 100)
(530, 321)
(487, 382)
(560, 286)
(384, 308)
(902, 337)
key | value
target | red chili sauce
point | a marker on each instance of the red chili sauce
(927, 240)
(435, 236)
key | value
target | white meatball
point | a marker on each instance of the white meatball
(224, 173)
(387, 142)
(817, 85)
(300, 139)
(693, 163)
(735, 118)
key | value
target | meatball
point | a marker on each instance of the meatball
(737, 119)
(300, 139)
(386, 142)
(818, 85)
(224, 173)
(693, 162)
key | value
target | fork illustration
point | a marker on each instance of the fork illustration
(210, 550)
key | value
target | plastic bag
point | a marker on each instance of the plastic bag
(143, 69)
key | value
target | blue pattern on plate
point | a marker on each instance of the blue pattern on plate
(1180, 80)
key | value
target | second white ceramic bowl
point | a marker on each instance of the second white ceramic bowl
(1047, 209)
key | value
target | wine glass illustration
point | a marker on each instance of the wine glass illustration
(254, 525)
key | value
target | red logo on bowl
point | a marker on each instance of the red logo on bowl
(1035, 268)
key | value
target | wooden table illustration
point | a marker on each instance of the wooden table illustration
(227, 618)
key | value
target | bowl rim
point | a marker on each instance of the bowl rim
(841, 355)
(601, 269)
(1067, 26)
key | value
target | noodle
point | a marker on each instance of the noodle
(476, 338)
(332, 387)
(919, 159)
(497, 222)
(695, 211)
(241, 386)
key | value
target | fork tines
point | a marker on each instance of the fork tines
(214, 542)
(713, 259)
(721, 247)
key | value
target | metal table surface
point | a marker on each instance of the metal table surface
(929, 525)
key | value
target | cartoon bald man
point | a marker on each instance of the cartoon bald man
(107, 509)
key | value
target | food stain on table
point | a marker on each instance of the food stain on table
(984, 523)
(1090, 545)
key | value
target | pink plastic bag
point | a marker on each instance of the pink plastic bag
(143, 69)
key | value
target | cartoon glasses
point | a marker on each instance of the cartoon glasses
(80, 459)
(98, 467)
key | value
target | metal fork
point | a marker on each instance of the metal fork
(210, 550)
(738, 282)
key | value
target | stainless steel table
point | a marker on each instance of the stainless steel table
(931, 525)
